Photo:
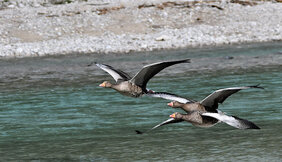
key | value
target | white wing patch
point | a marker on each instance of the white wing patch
(114, 74)
(168, 96)
(224, 118)
(167, 121)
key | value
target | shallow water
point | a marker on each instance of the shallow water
(52, 109)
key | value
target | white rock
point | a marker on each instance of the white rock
(20, 5)
(144, 46)
(11, 6)
(62, 33)
(162, 38)
(19, 50)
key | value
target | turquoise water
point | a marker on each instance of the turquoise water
(52, 109)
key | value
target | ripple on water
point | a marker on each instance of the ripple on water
(74, 119)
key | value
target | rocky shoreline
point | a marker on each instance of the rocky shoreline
(107, 26)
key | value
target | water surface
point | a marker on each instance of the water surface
(52, 109)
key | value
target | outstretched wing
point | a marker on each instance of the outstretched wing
(168, 121)
(232, 121)
(148, 71)
(118, 75)
(220, 95)
(169, 96)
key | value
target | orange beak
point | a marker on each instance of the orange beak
(170, 104)
(172, 115)
(102, 85)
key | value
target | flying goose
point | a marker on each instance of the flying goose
(135, 86)
(205, 113)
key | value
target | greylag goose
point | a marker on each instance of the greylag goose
(135, 86)
(205, 113)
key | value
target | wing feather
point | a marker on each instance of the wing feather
(169, 96)
(118, 75)
(220, 95)
(232, 121)
(148, 71)
(168, 121)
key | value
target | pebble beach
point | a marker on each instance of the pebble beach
(41, 27)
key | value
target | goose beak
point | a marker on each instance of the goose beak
(170, 104)
(102, 85)
(172, 115)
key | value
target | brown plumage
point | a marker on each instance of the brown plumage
(194, 111)
(125, 88)
(204, 113)
(135, 86)
(195, 118)
(188, 107)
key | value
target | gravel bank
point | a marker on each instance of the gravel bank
(38, 28)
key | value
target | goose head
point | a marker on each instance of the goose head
(175, 104)
(176, 115)
(106, 84)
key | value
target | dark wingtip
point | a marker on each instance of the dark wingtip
(138, 132)
(188, 60)
(256, 86)
(246, 124)
(184, 61)
(92, 63)
(253, 126)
